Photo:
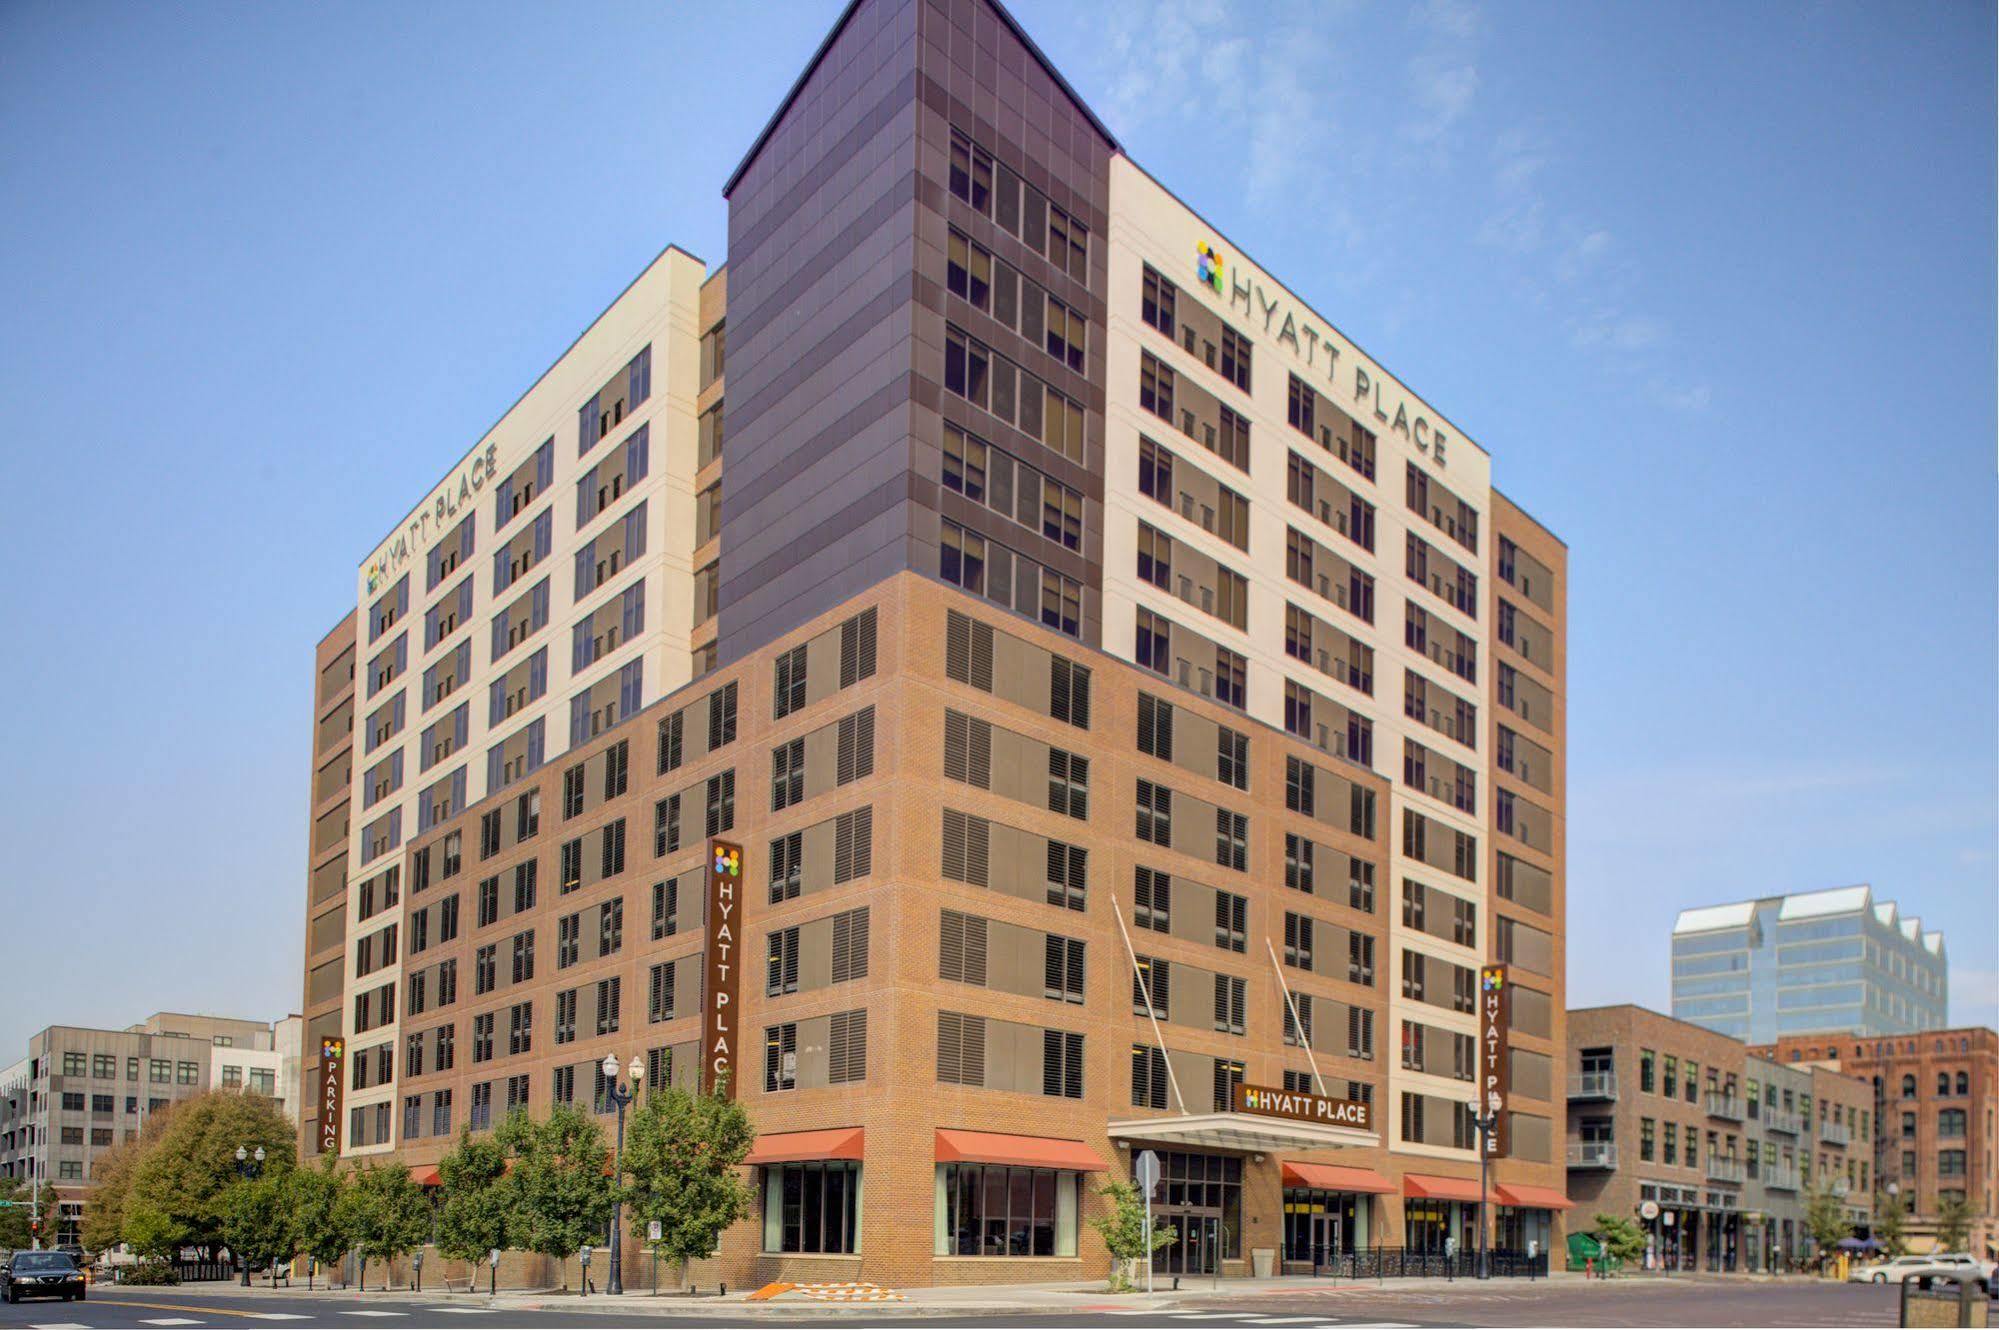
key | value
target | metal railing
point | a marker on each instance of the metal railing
(1788, 1123)
(1593, 1085)
(1781, 1179)
(1593, 1154)
(1834, 1133)
(1724, 1106)
(1402, 1263)
(1724, 1169)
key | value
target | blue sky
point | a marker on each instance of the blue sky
(1714, 283)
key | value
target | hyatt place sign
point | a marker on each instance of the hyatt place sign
(1318, 351)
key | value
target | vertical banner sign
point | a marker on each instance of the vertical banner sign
(719, 1036)
(332, 1090)
(1492, 1055)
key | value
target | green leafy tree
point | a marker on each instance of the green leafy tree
(1825, 1218)
(14, 1218)
(111, 1177)
(188, 1171)
(312, 1212)
(154, 1235)
(1888, 1225)
(559, 1194)
(476, 1198)
(1954, 1218)
(1123, 1231)
(257, 1221)
(1623, 1240)
(383, 1214)
(682, 1153)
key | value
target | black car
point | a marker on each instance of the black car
(41, 1274)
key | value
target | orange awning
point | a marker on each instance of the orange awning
(790, 1147)
(1532, 1198)
(1336, 1177)
(425, 1175)
(1427, 1186)
(992, 1147)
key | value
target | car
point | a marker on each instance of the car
(41, 1274)
(1955, 1264)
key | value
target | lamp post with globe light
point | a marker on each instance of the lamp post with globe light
(248, 1166)
(622, 1096)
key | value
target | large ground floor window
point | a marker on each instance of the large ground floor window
(1437, 1226)
(1518, 1229)
(1318, 1224)
(1005, 1210)
(813, 1207)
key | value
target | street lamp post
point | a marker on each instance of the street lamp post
(248, 1166)
(1486, 1124)
(622, 1096)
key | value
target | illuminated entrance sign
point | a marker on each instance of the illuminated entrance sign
(1264, 1101)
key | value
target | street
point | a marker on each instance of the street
(1689, 1302)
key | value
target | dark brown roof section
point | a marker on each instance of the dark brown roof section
(846, 15)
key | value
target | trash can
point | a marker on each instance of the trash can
(1262, 1261)
(1942, 1300)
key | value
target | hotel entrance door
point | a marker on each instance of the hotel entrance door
(1325, 1239)
(1197, 1245)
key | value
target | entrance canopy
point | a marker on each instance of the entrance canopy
(1335, 1177)
(1240, 1131)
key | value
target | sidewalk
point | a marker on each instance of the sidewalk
(961, 1301)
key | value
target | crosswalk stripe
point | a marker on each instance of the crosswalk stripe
(169, 1320)
(1288, 1320)
(469, 1311)
(58, 1325)
(374, 1313)
(277, 1316)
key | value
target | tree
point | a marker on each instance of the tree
(682, 1152)
(474, 1218)
(312, 1206)
(1825, 1218)
(14, 1219)
(257, 1222)
(559, 1193)
(186, 1173)
(111, 1175)
(1123, 1231)
(1954, 1216)
(1623, 1240)
(1888, 1225)
(383, 1213)
(154, 1236)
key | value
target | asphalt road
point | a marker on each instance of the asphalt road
(1679, 1302)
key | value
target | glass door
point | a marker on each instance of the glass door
(1325, 1239)
(1196, 1248)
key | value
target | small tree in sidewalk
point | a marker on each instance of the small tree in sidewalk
(1123, 1232)
(256, 1221)
(383, 1213)
(1888, 1225)
(682, 1152)
(1825, 1219)
(559, 1193)
(1623, 1240)
(474, 1218)
(1954, 1218)
(312, 1204)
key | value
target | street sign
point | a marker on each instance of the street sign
(1145, 1172)
(653, 1231)
(1649, 1211)
(493, 1257)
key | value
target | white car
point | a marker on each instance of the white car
(1937, 1263)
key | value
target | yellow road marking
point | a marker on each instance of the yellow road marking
(209, 1310)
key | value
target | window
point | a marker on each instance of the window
(1157, 302)
(1298, 863)
(788, 683)
(1002, 1210)
(1061, 1064)
(1231, 921)
(1152, 900)
(780, 1058)
(813, 1207)
(1068, 784)
(1229, 1000)
(665, 909)
(1062, 969)
(1232, 840)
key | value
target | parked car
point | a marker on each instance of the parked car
(41, 1274)
(1955, 1264)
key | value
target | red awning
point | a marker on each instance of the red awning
(992, 1147)
(1524, 1197)
(1336, 1177)
(426, 1175)
(790, 1147)
(1427, 1186)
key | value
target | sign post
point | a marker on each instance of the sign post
(1494, 1082)
(1145, 1169)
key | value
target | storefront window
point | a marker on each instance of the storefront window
(1005, 1210)
(1318, 1224)
(1426, 1224)
(813, 1207)
(1514, 1229)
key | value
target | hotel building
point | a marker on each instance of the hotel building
(1039, 662)
(1934, 1138)
(1727, 1145)
(1818, 960)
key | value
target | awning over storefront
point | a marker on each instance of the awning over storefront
(791, 1147)
(955, 1146)
(1240, 1131)
(1426, 1186)
(426, 1175)
(1336, 1177)
(1523, 1197)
